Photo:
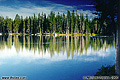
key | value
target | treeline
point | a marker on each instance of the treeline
(60, 23)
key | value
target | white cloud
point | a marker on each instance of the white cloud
(86, 5)
(100, 53)
(88, 59)
(12, 56)
(29, 9)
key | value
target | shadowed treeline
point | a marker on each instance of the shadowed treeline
(72, 46)
(117, 56)
(109, 12)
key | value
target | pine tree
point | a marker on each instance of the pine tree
(42, 18)
(28, 26)
(54, 23)
(34, 24)
(63, 23)
(87, 29)
(58, 22)
(21, 25)
(1, 24)
(82, 27)
(51, 21)
(39, 23)
(77, 22)
(24, 27)
(68, 21)
(9, 24)
(16, 23)
(73, 22)
(44, 23)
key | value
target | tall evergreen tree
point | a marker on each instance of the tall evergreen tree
(51, 16)
(39, 23)
(42, 18)
(9, 25)
(24, 27)
(28, 26)
(21, 25)
(76, 23)
(54, 23)
(16, 23)
(1, 24)
(73, 22)
(82, 27)
(44, 23)
(61, 21)
(87, 30)
(64, 23)
(34, 24)
(68, 21)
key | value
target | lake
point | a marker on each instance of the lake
(54, 58)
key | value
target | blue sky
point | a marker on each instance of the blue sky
(29, 7)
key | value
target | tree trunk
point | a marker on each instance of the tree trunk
(3, 29)
(117, 56)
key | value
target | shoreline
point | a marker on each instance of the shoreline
(93, 35)
(50, 34)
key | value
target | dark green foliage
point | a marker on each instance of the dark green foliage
(87, 28)
(28, 26)
(107, 12)
(51, 16)
(106, 71)
(23, 26)
(60, 23)
(8, 24)
(82, 27)
(63, 23)
(77, 28)
(1, 24)
(68, 21)
(16, 23)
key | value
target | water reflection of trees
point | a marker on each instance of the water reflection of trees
(72, 46)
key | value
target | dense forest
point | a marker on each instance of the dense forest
(53, 23)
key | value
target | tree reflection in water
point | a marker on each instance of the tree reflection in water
(73, 46)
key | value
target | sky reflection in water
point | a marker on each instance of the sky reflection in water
(54, 58)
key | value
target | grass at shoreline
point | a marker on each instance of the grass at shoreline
(56, 34)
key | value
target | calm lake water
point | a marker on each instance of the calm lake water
(54, 58)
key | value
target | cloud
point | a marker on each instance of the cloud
(88, 59)
(28, 9)
(28, 56)
(85, 5)
(101, 53)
